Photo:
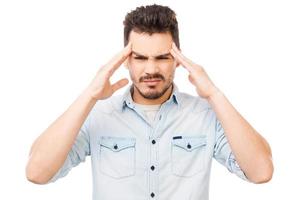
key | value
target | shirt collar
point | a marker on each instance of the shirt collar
(126, 99)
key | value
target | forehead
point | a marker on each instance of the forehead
(151, 45)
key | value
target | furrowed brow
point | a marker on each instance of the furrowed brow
(163, 55)
(158, 56)
(138, 54)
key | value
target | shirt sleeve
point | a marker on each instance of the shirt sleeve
(78, 152)
(223, 153)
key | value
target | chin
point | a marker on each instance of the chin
(152, 92)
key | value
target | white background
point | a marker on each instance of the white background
(50, 50)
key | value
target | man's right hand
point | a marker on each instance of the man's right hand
(50, 150)
(100, 88)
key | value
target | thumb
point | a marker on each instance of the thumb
(119, 84)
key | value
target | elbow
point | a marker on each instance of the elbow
(35, 175)
(264, 174)
(263, 179)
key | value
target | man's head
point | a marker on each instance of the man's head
(151, 19)
(151, 30)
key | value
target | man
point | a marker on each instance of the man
(153, 142)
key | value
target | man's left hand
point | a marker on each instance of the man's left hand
(197, 75)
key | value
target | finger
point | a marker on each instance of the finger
(180, 54)
(188, 63)
(118, 59)
(181, 60)
(119, 84)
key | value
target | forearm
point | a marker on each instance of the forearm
(251, 150)
(51, 148)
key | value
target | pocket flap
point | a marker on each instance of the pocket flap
(117, 143)
(189, 143)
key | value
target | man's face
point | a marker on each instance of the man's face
(151, 66)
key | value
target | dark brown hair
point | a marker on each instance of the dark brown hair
(151, 19)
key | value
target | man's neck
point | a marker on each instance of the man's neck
(138, 98)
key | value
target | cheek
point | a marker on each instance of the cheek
(136, 68)
(134, 73)
(168, 70)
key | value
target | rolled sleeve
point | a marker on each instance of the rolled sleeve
(223, 153)
(78, 152)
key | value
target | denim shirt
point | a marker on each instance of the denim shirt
(133, 159)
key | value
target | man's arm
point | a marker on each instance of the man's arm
(50, 149)
(250, 149)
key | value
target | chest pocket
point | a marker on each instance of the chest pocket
(117, 156)
(188, 155)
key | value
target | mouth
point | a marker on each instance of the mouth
(152, 82)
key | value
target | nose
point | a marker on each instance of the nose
(151, 67)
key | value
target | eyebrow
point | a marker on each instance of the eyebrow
(158, 56)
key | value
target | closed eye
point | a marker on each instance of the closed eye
(140, 58)
(162, 58)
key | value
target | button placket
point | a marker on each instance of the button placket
(153, 175)
(153, 170)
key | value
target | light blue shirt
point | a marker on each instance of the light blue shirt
(133, 159)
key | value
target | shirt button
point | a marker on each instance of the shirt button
(152, 168)
(153, 141)
(116, 146)
(189, 146)
(152, 194)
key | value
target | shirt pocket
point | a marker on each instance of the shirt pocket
(117, 156)
(188, 155)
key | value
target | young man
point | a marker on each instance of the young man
(153, 142)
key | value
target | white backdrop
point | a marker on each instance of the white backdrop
(50, 51)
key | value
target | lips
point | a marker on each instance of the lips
(152, 82)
